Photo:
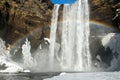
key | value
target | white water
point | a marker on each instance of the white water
(53, 35)
(75, 53)
(72, 53)
(27, 57)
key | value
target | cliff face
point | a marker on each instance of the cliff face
(21, 17)
(101, 10)
(107, 11)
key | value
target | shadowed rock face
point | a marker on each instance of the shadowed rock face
(105, 11)
(102, 10)
(19, 18)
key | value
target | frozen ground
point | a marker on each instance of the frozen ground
(87, 76)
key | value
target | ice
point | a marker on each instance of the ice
(111, 41)
(88, 76)
(12, 67)
(63, 73)
(27, 56)
(6, 61)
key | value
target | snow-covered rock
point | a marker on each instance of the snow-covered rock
(112, 40)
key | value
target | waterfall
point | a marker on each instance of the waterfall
(75, 54)
(53, 34)
(82, 38)
(71, 53)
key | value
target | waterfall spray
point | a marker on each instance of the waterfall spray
(75, 53)
(27, 57)
(70, 54)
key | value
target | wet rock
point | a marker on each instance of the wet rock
(97, 33)
(116, 18)
(31, 18)
(111, 45)
(101, 10)
(20, 17)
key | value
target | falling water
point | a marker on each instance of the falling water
(75, 53)
(82, 36)
(72, 52)
(53, 34)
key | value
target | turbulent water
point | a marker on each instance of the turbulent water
(70, 54)
(74, 53)
(68, 46)
(68, 49)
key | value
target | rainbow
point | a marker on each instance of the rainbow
(103, 24)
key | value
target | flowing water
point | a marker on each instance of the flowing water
(53, 34)
(70, 54)
(75, 53)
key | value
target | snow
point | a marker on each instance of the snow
(88, 76)
(112, 41)
(12, 67)
(47, 39)
(63, 73)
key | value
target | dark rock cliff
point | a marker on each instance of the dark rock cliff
(19, 18)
